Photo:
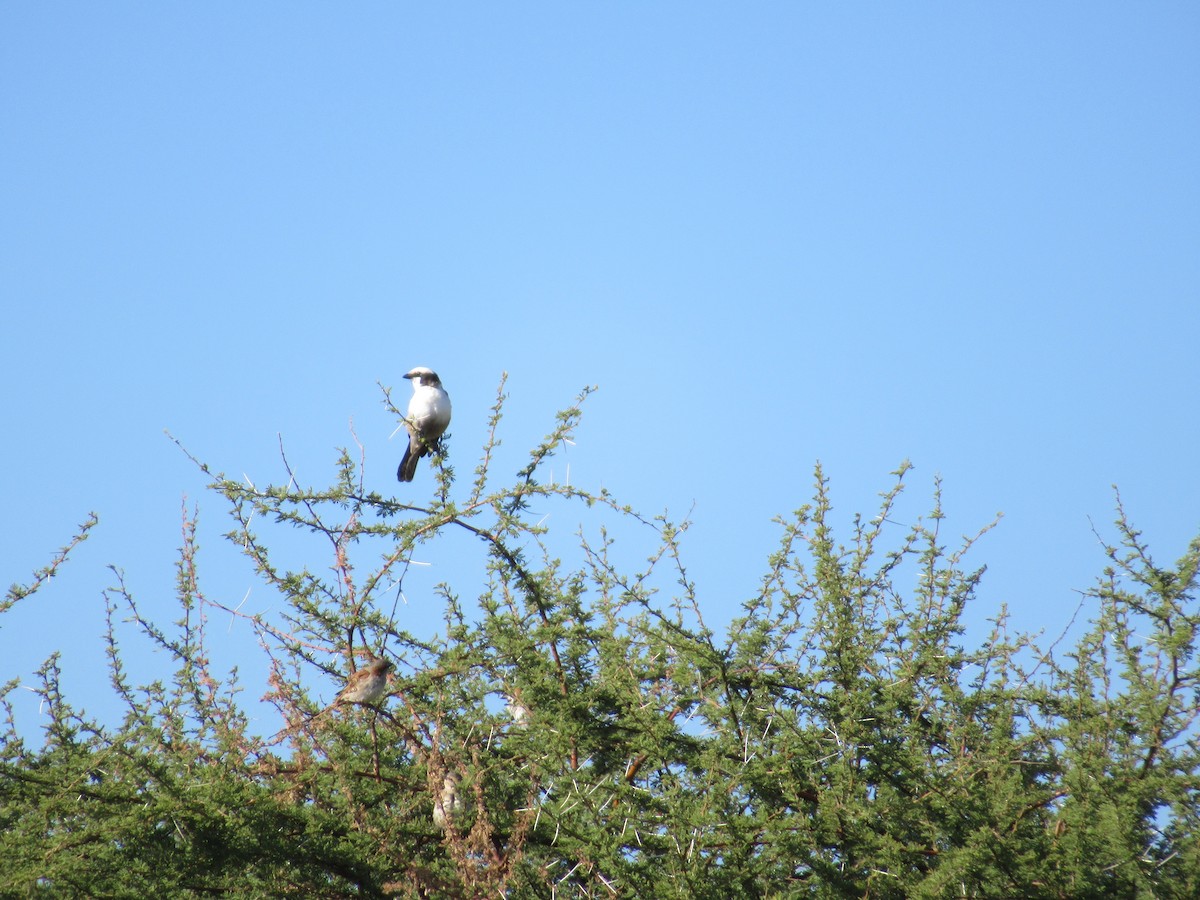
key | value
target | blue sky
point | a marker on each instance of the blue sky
(966, 235)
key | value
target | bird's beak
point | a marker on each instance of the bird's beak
(409, 375)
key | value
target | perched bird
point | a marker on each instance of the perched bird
(517, 711)
(366, 685)
(427, 420)
(448, 804)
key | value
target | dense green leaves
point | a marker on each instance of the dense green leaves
(576, 730)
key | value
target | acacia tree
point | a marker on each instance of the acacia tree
(574, 729)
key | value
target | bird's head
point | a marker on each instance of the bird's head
(423, 375)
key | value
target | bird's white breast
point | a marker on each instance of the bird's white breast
(429, 408)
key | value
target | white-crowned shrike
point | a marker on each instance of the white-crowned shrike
(448, 803)
(427, 419)
(517, 711)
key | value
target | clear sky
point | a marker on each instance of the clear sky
(962, 234)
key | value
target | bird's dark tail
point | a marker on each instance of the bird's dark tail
(417, 448)
(408, 466)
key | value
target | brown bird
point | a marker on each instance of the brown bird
(367, 685)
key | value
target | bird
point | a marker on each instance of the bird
(517, 711)
(367, 685)
(448, 804)
(427, 419)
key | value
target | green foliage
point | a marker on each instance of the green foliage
(577, 730)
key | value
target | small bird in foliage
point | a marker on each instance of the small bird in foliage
(447, 804)
(427, 420)
(366, 685)
(517, 711)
